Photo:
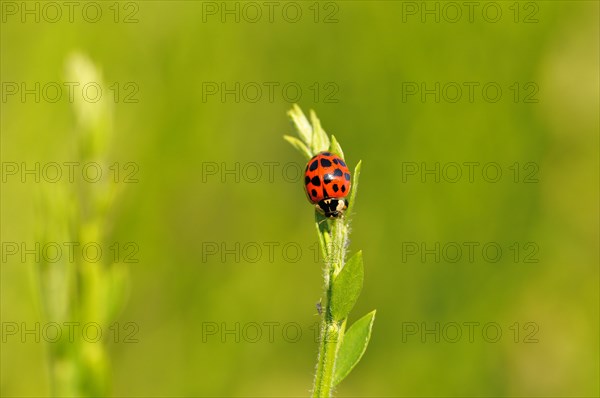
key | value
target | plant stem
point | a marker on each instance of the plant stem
(340, 294)
(332, 331)
(331, 336)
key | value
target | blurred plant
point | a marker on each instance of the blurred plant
(80, 290)
(339, 350)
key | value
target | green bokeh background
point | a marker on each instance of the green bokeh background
(170, 213)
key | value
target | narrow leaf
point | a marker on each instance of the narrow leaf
(320, 140)
(352, 197)
(299, 145)
(335, 147)
(304, 128)
(354, 345)
(346, 287)
(322, 233)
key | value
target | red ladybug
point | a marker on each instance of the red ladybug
(327, 183)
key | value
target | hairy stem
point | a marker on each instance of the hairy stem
(332, 331)
(340, 294)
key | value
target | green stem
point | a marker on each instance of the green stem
(332, 331)
(331, 336)
(333, 238)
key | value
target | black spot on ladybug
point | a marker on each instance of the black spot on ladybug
(325, 162)
(327, 178)
(313, 193)
(343, 188)
(342, 163)
(325, 194)
(316, 181)
(326, 153)
(347, 176)
(306, 180)
(335, 187)
(338, 173)
(314, 165)
(335, 161)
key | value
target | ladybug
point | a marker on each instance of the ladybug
(327, 183)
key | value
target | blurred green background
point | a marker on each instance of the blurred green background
(354, 62)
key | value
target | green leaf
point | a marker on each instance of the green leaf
(352, 197)
(346, 287)
(335, 147)
(322, 233)
(320, 139)
(299, 145)
(305, 131)
(354, 345)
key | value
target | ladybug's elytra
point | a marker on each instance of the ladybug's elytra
(327, 183)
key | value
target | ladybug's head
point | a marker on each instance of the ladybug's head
(332, 208)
